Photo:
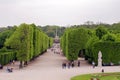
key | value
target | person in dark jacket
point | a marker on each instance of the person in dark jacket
(78, 63)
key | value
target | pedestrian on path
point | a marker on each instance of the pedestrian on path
(93, 63)
(13, 62)
(102, 70)
(69, 65)
(1, 66)
(72, 64)
(63, 65)
(78, 63)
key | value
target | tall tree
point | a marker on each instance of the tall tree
(20, 42)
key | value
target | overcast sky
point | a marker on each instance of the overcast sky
(58, 12)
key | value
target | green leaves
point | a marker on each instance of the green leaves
(73, 41)
(109, 37)
(100, 31)
(28, 41)
(110, 51)
(5, 35)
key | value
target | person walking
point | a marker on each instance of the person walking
(93, 63)
(78, 63)
(63, 65)
(72, 64)
(1, 66)
(102, 70)
(13, 62)
(68, 65)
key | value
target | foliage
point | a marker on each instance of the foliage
(114, 28)
(28, 41)
(6, 57)
(100, 31)
(73, 41)
(109, 37)
(110, 52)
(6, 34)
(101, 37)
(20, 42)
(90, 43)
(51, 30)
(50, 42)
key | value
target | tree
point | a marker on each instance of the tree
(109, 37)
(28, 41)
(100, 31)
(19, 41)
(5, 35)
(50, 30)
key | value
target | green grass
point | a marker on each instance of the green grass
(100, 76)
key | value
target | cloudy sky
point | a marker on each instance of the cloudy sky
(58, 12)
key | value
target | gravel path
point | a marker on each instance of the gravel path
(48, 67)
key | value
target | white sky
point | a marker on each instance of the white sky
(58, 12)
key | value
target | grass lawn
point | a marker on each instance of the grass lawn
(100, 76)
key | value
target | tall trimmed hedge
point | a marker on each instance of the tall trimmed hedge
(28, 41)
(6, 57)
(64, 42)
(90, 43)
(73, 41)
(50, 42)
(110, 52)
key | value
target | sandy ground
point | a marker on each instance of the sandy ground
(48, 67)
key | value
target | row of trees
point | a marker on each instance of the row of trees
(106, 41)
(50, 30)
(92, 40)
(28, 42)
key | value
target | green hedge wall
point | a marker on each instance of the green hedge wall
(5, 57)
(73, 41)
(64, 42)
(28, 41)
(50, 42)
(90, 43)
(110, 52)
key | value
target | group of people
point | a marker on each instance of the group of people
(9, 69)
(55, 49)
(70, 64)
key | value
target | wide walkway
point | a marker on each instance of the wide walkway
(48, 67)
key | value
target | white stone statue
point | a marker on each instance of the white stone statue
(99, 59)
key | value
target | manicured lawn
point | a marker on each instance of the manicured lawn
(100, 76)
